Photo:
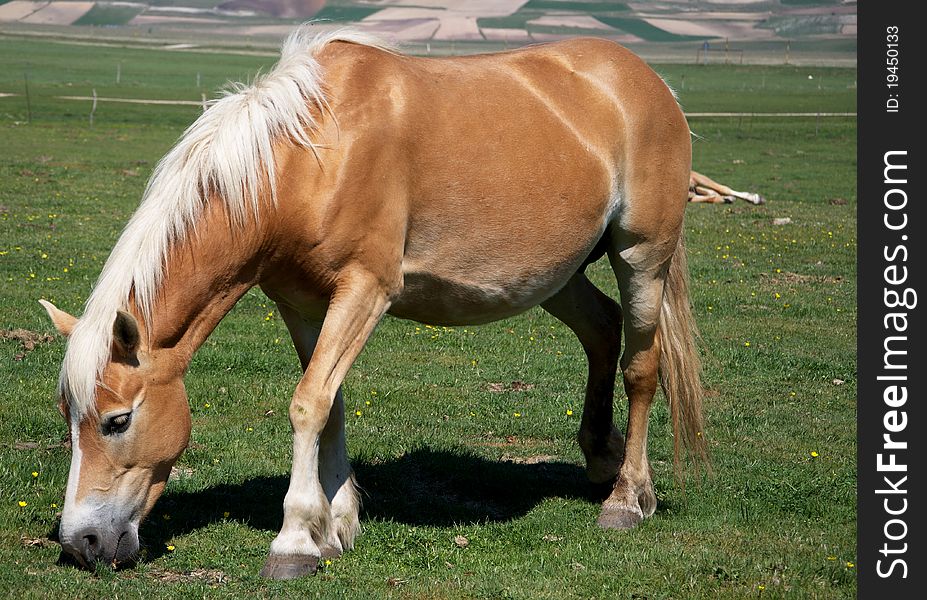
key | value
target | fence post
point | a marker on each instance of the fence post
(28, 97)
(93, 107)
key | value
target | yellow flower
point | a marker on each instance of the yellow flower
(170, 548)
(206, 405)
(761, 587)
(569, 413)
(358, 413)
(226, 514)
(53, 505)
(23, 504)
(747, 344)
(517, 414)
(831, 558)
(35, 473)
(850, 565)
(814, 454)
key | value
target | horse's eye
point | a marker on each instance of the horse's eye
(117, 423)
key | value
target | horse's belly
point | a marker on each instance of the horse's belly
(466, 298)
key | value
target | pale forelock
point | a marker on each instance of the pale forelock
(226, 154)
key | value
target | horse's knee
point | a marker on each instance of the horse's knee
(309, 412)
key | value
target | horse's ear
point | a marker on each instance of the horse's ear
(63, 322)
(126, 336)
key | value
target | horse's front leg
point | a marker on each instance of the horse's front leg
(356, 307)
(335, 471)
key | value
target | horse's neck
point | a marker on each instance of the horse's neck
(204, 277)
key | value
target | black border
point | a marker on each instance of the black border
(880, 131)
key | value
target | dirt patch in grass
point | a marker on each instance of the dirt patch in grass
(28, 340)
(787, 277)
(211, 577)
(530, 460)
(515, 386)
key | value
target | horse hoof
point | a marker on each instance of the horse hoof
(619, 518)
(289, 566)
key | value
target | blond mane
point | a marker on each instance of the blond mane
(226, 155)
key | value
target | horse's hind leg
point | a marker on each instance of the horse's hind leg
(596, 320)
(640, 270)
(335, 471)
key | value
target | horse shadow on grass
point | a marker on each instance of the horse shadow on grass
(423, 487)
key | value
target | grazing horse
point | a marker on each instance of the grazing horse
(351, 182)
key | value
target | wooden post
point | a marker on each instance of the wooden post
(28, 98)
(93, 107)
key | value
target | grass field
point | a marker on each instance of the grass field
(437, 446)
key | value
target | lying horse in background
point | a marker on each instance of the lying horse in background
(704, 189)
(351, 182)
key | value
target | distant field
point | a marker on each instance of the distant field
(451, 26)
(109, 14)
(158, 74)
(437, 447)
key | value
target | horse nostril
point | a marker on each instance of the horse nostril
(91, 543)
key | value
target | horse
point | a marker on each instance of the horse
(706, 190)
(350, 182)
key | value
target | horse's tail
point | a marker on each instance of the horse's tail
(680, 367)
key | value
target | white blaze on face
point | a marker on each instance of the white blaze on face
(106, 514)
(70, 515)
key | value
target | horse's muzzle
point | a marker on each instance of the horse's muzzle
(92, 545)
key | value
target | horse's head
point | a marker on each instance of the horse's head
(122, 451)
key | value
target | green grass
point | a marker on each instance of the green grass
(186, 3)
(143, 72)
(645, 30)
(539, 8)
(109, 14)
(346, 13)
(437, 453)
(738, 88)
(572, 6)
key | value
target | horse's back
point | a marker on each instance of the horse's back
(502, 171)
